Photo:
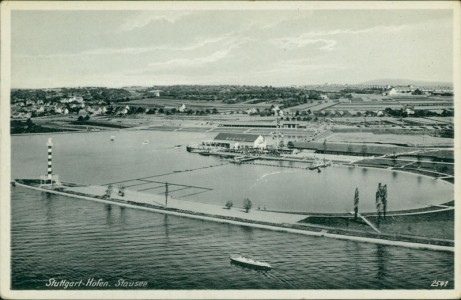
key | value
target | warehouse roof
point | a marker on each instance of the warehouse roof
(236, 137)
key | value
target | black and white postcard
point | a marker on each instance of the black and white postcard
(229, 150)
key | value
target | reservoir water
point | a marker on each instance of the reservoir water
(65, 238)
(91, 158)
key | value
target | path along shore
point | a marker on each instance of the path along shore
(258, 219)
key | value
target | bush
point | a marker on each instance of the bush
(229, 204)
(247, 204)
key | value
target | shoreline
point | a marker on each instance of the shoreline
(283, 227)
(343, 163)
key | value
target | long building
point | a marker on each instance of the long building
(237, 140)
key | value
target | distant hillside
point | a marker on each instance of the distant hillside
(407, 82)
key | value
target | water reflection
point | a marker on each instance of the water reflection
(247, 232)
(356, 249)
(109, 219)
(166, 225)
(122, 215)
(382, 257)
(50, 213)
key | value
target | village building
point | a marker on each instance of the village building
(276, 110)
(155, 93)
(410, 111)
(251, 111)
(73, 99)
(236, 141)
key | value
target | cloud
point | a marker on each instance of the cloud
(145, 18)
(286, 20)
(315, 37)
(139, 50)
(224, 40)
(301, 41)
(187, 62)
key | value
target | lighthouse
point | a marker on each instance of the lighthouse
(50, 154)
(50, 179)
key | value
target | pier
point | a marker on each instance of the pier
(278, 221)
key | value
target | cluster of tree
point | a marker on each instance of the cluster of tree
(236, 94)
(247, 205)
(377, 91)
(83, 118)
(28, 126)
(400, 113)
(447, 133)
(18, 95)
(428, 113)
(88, 94)
(417, 92)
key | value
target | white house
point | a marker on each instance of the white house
(156, 93)
(251, 111)
(409, 111)
(392, 92)
(125, 110)
(182, 108)
(237, 140)
(72, 99)
(276, 110)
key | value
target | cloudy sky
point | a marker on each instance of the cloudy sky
(259, 47)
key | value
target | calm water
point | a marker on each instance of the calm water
(91, 158)
(65, 238)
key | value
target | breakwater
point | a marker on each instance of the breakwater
(303, 229)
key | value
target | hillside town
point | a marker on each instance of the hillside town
(308, 104)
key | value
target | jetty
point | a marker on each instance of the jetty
(242, 159)
(278, 221)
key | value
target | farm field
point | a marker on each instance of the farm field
(199, 104)
(368, 137)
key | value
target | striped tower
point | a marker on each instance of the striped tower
(50, 150)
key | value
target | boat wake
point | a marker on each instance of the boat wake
(274, 173)
(264, 176)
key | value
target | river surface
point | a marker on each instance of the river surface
(65, 238)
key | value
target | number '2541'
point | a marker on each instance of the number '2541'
(439, 283)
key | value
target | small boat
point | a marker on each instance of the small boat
(178, 146)
(249, 262)
(145, 142)
(203, 152)
(317, 164)
(112, 138)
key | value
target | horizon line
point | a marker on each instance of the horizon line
(410, 82)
